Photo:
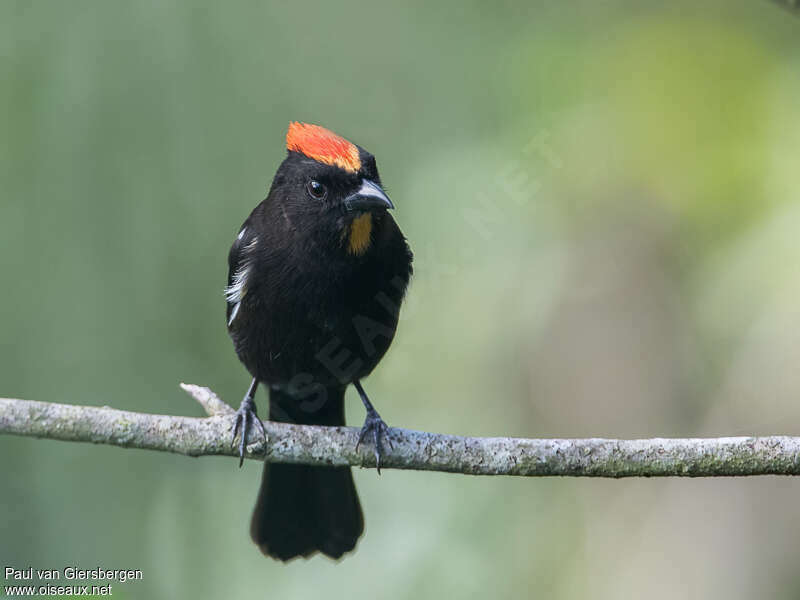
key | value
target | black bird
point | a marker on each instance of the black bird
(316, 277)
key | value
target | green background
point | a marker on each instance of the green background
(603, 203)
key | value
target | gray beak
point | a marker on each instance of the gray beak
(369, 197)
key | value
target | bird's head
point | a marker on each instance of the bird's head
(329, 185)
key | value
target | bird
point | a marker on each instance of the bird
(316, 277)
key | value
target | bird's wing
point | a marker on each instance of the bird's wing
(239, 270)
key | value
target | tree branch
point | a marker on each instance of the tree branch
(305, 444)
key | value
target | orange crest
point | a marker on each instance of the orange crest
(325, 146)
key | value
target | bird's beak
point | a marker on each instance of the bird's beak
(369, 197)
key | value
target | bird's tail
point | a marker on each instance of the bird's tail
(304, 509)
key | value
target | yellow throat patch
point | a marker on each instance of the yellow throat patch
(360, 234)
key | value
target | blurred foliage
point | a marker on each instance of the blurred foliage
(603, 202)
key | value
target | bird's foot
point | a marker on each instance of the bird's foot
(376, 427)
(246, 417)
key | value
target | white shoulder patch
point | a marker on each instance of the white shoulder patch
(236, 290)
(238, 287)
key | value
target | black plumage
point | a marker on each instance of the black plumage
(316, 278)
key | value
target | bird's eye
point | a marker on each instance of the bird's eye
(316, 190)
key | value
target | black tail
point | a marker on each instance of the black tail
(303, 509)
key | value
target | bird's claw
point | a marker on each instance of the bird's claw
(246, 416)
(376, 426)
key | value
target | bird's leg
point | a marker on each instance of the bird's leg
(374, 425)
(246, 416)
